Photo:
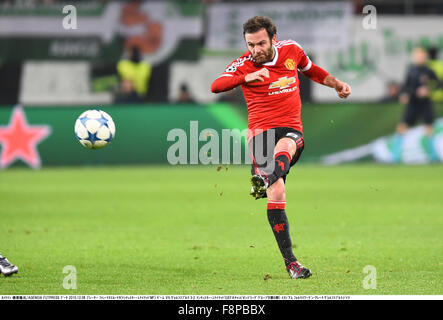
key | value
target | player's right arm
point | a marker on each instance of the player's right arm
(226, 82)
(233, 77)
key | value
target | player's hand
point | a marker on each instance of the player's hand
(259, 75)
(343, 89)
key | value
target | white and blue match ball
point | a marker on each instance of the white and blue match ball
(94, 129)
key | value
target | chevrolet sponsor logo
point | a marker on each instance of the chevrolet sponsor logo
(282, 82)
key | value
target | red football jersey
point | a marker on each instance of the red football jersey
(276, 101)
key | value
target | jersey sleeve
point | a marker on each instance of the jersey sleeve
(304, 64)
(308, 68)
(228, 80)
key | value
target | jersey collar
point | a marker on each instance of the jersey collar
(274, 61)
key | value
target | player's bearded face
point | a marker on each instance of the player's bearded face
(260, 46)
(264, 56)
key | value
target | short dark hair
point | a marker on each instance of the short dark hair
(258, 23)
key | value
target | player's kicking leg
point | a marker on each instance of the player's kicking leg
(284, 150)
(272, 186)
(6, 267)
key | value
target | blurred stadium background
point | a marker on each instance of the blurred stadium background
(52, 68)
(56, 71)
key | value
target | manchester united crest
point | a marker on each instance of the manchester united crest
(290, 64)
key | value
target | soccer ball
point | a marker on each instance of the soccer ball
(94, 129)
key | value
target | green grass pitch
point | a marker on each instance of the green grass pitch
(189, 230)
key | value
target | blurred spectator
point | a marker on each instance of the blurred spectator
(416, 96)
(393, 92)
(436, 65)
(127, 93)
(184, 95)
(135, 75)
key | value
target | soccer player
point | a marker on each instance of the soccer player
(416, 96)
(267, 74)
(6, 267)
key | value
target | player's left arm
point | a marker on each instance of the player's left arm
(321, 76)
(343, 89)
